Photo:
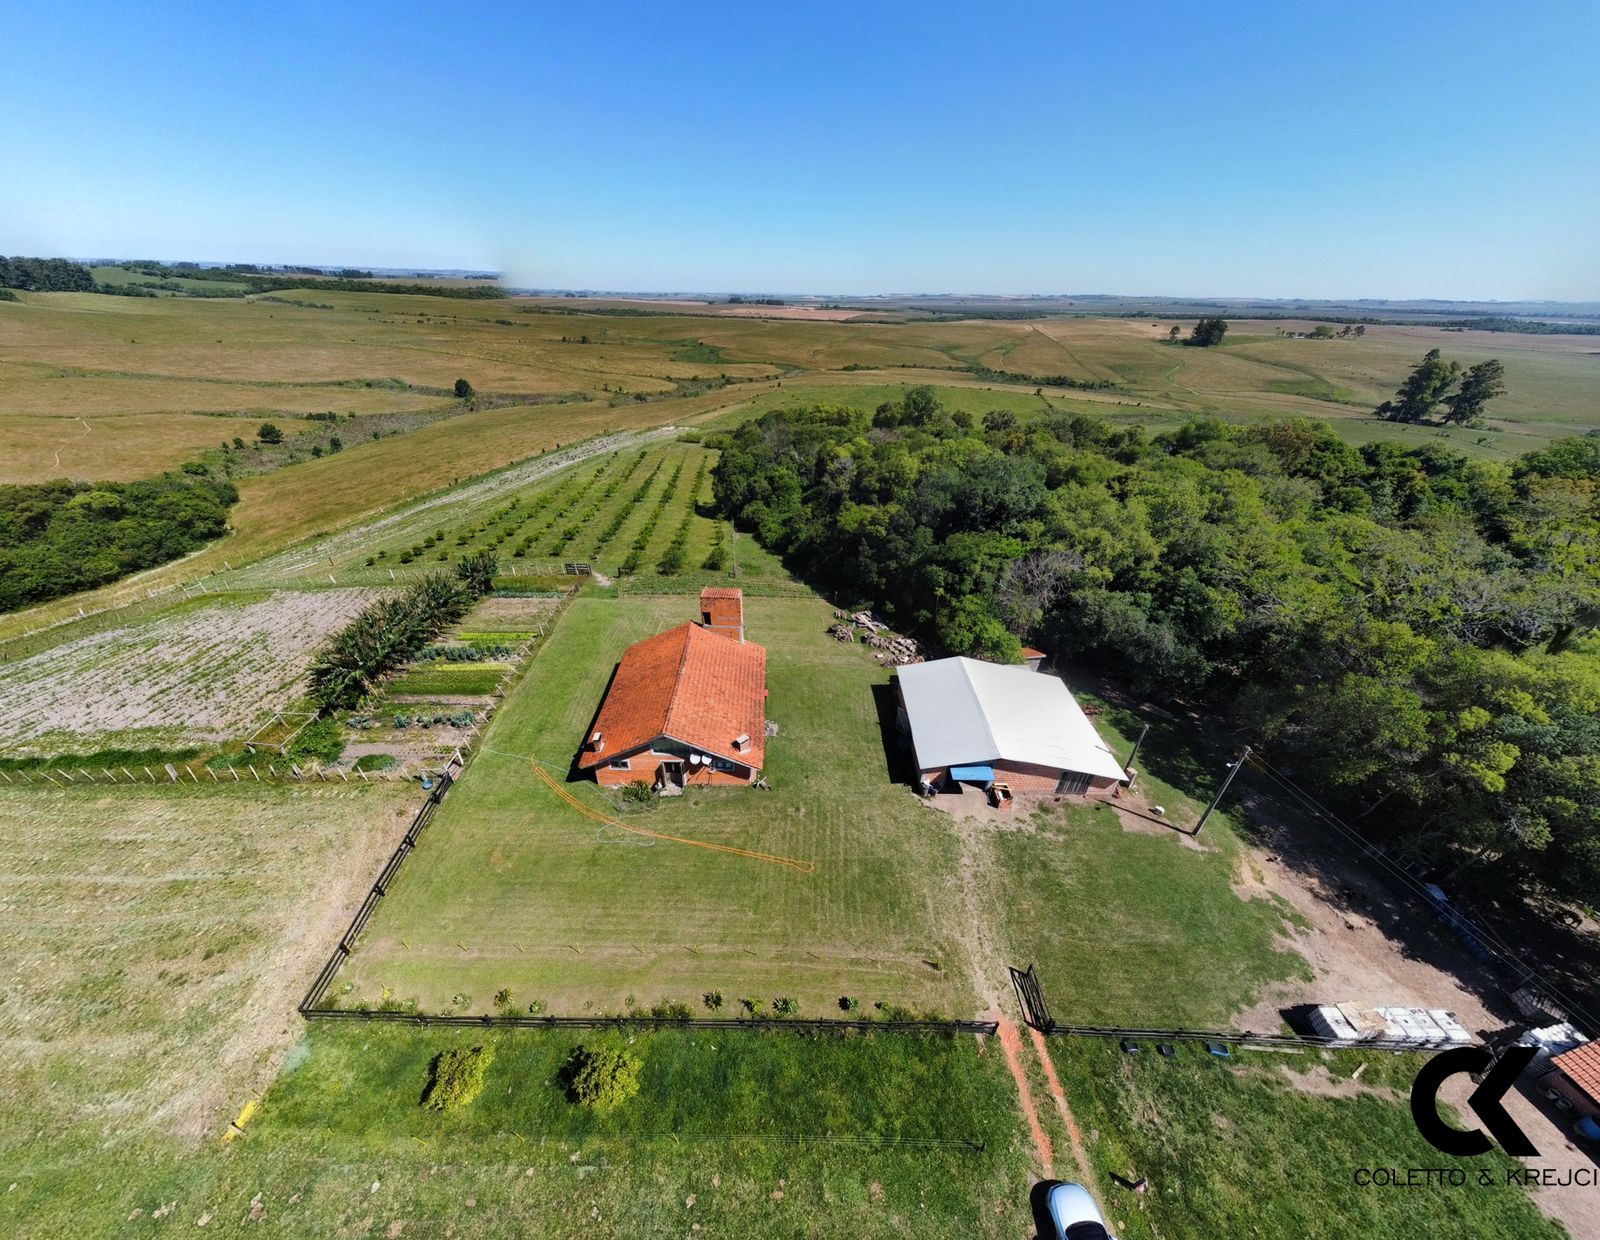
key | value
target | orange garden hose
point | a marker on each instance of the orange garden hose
(805, 867)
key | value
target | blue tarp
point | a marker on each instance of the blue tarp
(973, 774)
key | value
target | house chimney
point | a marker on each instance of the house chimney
(722, 611)
(597, 742)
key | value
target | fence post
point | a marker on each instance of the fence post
(108, 774)
(150, 773)
(363, 775)
(4, 776)
(234, 771)
(128, 773)
(25, 778)
(65, 776)
(46, 774)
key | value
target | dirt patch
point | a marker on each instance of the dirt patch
(202, 673)
(1321, 1083)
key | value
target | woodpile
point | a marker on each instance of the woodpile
(889, 649)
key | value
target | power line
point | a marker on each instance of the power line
(1494, 944)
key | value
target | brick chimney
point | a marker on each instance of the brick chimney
(722, 611)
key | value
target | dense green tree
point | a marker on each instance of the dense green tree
(269, 433)
(1422, 390)
(1414, 629)
(1479, 386)
(58, 537)
(1208, 332)
(463, 390)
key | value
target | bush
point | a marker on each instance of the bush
(638, 793)
(671, 1009)
(321, 739)
(376, 762)
(785, 1006)
(269, 433)
(463, 390)
(713, 1000)
(455, 1077)
(601, 1077)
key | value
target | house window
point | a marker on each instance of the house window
(622, 764)
(722, 764)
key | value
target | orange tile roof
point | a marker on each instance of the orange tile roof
(1030, 653)
(689, 683)
(722, 592)
(1582, 1066)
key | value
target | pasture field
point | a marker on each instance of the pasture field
(147, 374)
(201, 670)
(157, 940)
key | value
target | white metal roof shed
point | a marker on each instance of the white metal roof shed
(965, 712)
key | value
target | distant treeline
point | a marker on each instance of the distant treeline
(61, 275)
(1531, 327)
(45, 275)
(1060, 381)
(58, 537)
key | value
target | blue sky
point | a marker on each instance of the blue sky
(1354, 149)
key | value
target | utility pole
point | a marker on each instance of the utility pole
(1128, 765)
(1233, 769)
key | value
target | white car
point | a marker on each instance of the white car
(1075, 1215)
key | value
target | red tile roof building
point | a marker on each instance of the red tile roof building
(687, 706)
(1581, 1066)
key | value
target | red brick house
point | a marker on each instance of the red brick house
(687, 706)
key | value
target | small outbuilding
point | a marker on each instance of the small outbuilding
(992, 723)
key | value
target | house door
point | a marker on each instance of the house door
(672, 774)
(1073, 783)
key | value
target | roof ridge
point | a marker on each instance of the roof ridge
(978, 702)
(689, 626)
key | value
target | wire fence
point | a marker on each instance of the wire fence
(246, 773)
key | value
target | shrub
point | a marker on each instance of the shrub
(269, 433)
(502, 998)
(321, 739)
(848, 1003)
(455, 1077)
(671, 1009)
(463, 390)
(785, 1006)
(712, 999)
(601, 1077)
(637, 793)
(376, 762)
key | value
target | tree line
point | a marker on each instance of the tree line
(1414, 630)
(45, 275)
(58, 537)
(386, 633)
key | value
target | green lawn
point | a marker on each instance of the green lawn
(740, 1133)
(1268, 1145)
(1134, 928)
(512, 888)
